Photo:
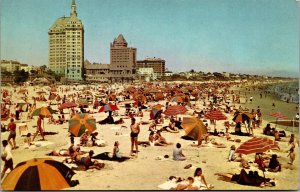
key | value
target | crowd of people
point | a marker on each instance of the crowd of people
(158, 126)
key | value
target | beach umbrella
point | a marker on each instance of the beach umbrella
(177, 99)
(38, 174)
(257, 145)
(67, 105)
(175, 110)
(53, 89)
(44, 111)
(108, 107)
(140, 98)
(215, 115)
(159, 96)
(154, 113)
(40, 92)
(157, 106)
(278, 115)
(242, 117)
(287, 122)
(193, 127)
(81, 122)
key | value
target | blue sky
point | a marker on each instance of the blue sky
(243, 36)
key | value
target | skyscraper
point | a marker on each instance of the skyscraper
(122, 61)
(66, 46)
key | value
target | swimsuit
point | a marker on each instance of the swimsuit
(133, 135)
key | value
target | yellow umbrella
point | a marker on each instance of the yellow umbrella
(194, 127)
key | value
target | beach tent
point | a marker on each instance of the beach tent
(38, 174)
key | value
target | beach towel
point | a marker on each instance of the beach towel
(168, 185)
(106, 156)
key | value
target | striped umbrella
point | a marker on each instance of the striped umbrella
(81, 122)
(279, 116)
(194, 127)
(242, 117)
(108, 107)
(215, 115)
(175, 110)
(257, 145)
(38, 174)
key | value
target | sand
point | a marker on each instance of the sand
(145, 172)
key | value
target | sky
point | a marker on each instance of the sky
(240, 36)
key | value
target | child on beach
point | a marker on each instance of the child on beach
(292, 156)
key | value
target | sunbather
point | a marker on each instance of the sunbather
(185, 185)
(87, 161)
(248, 179)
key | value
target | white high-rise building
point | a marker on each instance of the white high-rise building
(66, 46)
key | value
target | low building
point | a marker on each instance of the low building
(168, 73)
(24, 67)
(10, 66)
(96, 72)
(157, 64)
(146, 74)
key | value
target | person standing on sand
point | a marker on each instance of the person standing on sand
(12, 133)
(6, 157)
(135, 130)
(39, 128)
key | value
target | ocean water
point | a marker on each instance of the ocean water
(288, 92)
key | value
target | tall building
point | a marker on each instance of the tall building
(122, 61)
(66, 46)
(157, 64)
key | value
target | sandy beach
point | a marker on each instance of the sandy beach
(150, 169)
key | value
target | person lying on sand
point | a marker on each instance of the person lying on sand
(171, 128)
(252, 179)
(185, 185)
(212, 141)
(87, 161)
